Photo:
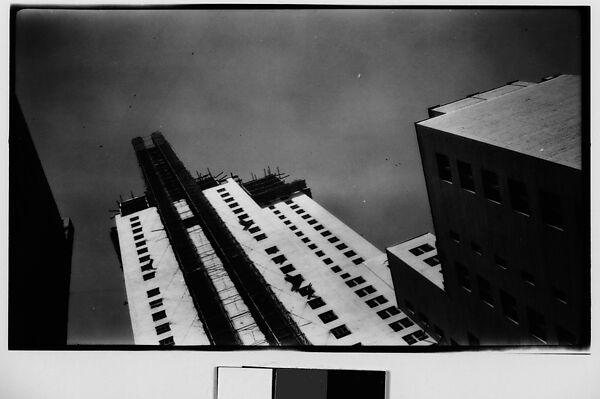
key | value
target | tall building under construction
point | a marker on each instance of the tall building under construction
(216, 261)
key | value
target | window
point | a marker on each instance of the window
(234, 205)
(509, 306)
(238, 210)
(287, 269)
(243, 216)
(409, 306)
(299, 233)
(148, 276)
(552, 212)
(388, 312)
(327, 261)
(326, 233)
(319, 227)
(134, 218)
(295, 206)
(293, 228)
(289, 202)
(224, 195)
(300, 211)
(336, 269)
(312, 221)
(358, 261)
(159, 315)
(307, 216)
(142, 250)
(271, 206)
(305, 240)
(397, 325)
(537, 325)
(379, 300)
(341, 246)
(433, 261)
(465, 174)
(220, 190)
(564, 337)
(140, 243)
(528, 278)
(485, 291)
(147, 267)
(260, 237)
(473, 340)
(320, 253)
(135, 224)
(167, 341)
(500, 262)
(345, 275)
(559, 295)
(454, 236)
(423, 319)
(421, 249)
(518, 196)
(281, 217)
(406, 322)
(156, 303)
(476, 248)
(138, 237)
(144, 258)
(229, 199)
(277, 211)
(414, 337)
(254, 229)
(462, 275)
(279, 259)
(350, 254)
(443, 165)
(307, 290)
(333, 239)
(138, 230)
(287, 222)
(163, 328)
(316, 303)
(355, 281)
(312, 246)
(153, 292)
(365, 291)
(328, 316)
(271, 250)
(340, 331)
(491, 185)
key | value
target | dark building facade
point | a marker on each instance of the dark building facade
(40, 247)
(504, 177)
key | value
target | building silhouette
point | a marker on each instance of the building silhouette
(507, 265)
(38, 278)
(213, 260)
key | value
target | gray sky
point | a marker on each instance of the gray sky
(330, 96)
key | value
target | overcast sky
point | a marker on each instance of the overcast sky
(330, 96)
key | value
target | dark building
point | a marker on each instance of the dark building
(40, 247)
(503, 171)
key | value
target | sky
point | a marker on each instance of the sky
(330, 96)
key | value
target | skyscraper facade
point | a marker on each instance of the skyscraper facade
(503, 170)
(213, 260)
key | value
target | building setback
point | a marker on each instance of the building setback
(39, 279)
(218, 261)
(504, 177)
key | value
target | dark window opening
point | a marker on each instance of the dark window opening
(312, 246)
(406, 322)
(355, 281)
(328, 316)
(559, 295)
(341, 331)
(454, 236)
(295, 206)
(485, 291)
(293, 228)
(537, 325)
(163, 328)
(137, 230)
(433, 261)
(312, 221)
(281, 217)
(279, 259)
(272, 250)
(135, 224)
(341, 246)
(443, 165)
(476, 248)
(421, 249)
(229, 199)
(552, 212)
(326, 233)
(159, 315)
(260, 237)
(336, 269)
(234, 205)
(319, 227)
(140, 243)
(142, 250)
(423, 319)
(345, 275)
(289, 202)
(327, 261)
(491, 186)
(358, 261)
(320, 253)
(333, 239)
(144, 258)
(299, 233)
(528, 278)
(307, 290)
(305, 239)
(146, 267)
(254, 229)
(287, 269)
(465, 174)
(518, 196)
(388, 312)
(462, 275)
(300, 211)
(156, 303)
(134, 218)
(307, 216)
(500, 262)
(277, 211)
(167, 341)
(148, 276)
(350, 254)
(220, 190)
(509, 306)
(138, 237)
(238, 210)
(316, 303)
(379, 300)
(153, 292)
(409, 306)
(369, 289)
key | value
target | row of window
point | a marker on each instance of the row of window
(502, 263)
(149, 273)
(519, 196)
(536, 321)
(423, 249)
